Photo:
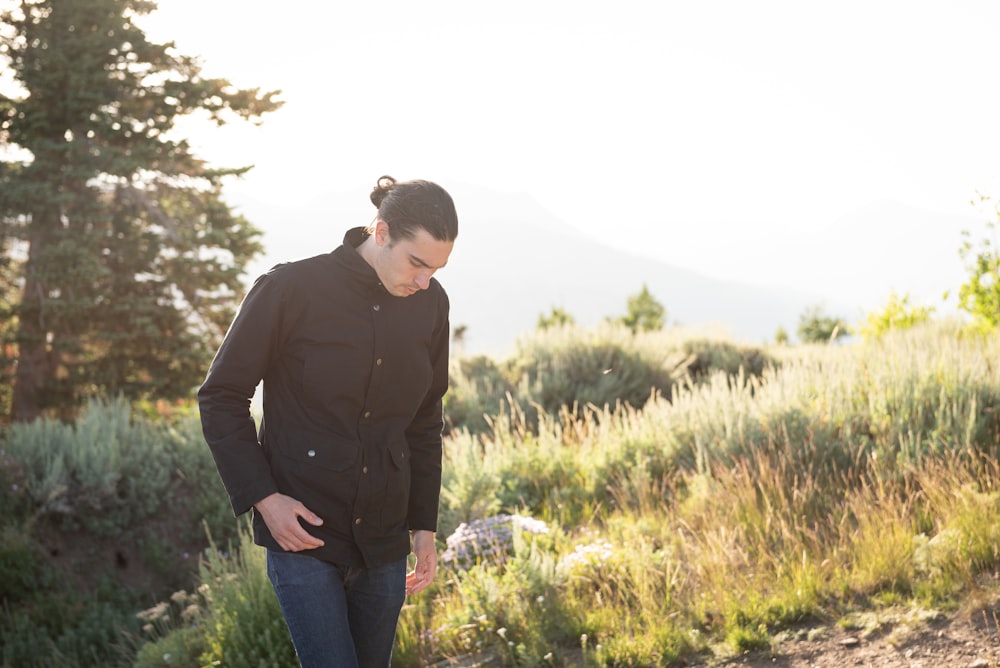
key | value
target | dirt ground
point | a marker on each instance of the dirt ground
(965, 640)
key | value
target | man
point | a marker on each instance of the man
(352, 349)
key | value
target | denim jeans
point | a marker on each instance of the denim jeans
(338, 617)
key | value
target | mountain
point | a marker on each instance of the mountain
(514, 261)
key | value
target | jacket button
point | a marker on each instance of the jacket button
(376, 307)
(378, 362)
(311, 453)
(364, 470)
(357, 521)
(368, 414)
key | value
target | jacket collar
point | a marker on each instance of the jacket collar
(348, 256)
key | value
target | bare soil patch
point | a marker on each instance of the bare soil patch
(965, 640)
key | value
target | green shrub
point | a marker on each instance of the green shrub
(477, 389)
(897, 314)
(104, 472)
(22, 570)
(469, 484)
(232, 619)
(180, 648)
(111, 477)
(569, 367)
(243, 623)
(67, 628)
(196, 485)
(574, 368)
(708, 356)
(15, 504)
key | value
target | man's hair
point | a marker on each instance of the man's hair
(407, 206)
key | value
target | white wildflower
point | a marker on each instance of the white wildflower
(489, 538)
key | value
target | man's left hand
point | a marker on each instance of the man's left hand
(425, 550)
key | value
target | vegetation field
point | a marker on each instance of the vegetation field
(745, 495)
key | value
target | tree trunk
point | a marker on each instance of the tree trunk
(33, 370)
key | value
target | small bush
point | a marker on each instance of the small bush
(243, 623)
(67, 628)
(897, 314)
(104, 472)
(477, 389)
(709, 356)
(568, 367)
(232, 619)
(22, 571)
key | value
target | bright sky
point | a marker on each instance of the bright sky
(659, 122)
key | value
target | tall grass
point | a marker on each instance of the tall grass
(847, 477)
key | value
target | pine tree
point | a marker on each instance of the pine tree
(815, 326)
(643, 312)
(128, 260)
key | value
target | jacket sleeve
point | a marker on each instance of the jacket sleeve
(225, 396)
(424, 433)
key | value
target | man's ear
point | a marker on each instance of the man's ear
(381, 232)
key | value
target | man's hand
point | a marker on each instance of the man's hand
(425, 550)
(281, 515)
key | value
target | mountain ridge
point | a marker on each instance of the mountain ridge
(514, 261)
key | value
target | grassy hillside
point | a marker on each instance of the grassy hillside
(739, 495)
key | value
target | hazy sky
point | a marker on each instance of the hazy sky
(657, 124)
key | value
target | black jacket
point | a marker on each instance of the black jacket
(353, 379)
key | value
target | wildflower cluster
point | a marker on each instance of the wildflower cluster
(491, 538)
(182, 610)
(586, 558)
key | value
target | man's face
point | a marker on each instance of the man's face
(405, 266)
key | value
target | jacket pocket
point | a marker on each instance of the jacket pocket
(397, 489)
(329, 456)
(323, 477)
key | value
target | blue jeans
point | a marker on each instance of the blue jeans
(338, 616)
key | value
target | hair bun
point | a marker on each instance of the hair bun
(381, 189)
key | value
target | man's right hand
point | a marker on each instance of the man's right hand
(281, 515)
